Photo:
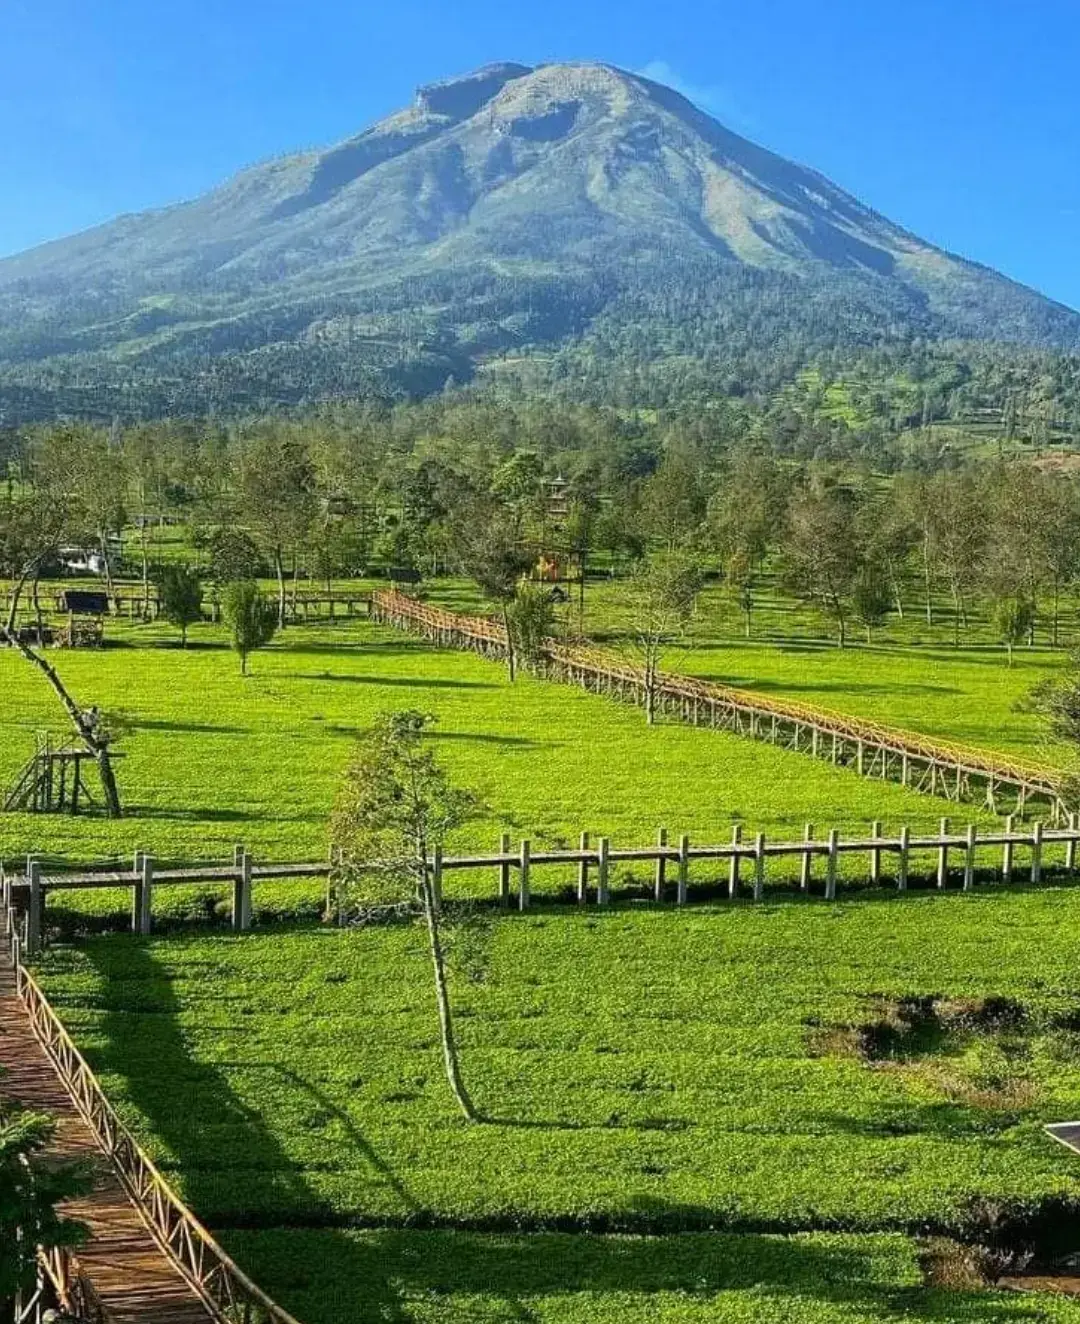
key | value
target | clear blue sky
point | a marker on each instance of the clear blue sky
(958, 118)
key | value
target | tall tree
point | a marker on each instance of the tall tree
(821, 553)
(251, 620)
(663, 593)
(276, 496)
(395, 806)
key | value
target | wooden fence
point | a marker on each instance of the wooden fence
(230, 1296)
(954, 772)
(747, 865)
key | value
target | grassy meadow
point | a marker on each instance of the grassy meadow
(646, 1074)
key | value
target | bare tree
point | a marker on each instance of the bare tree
(664, 589)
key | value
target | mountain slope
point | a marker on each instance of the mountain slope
(505, 209)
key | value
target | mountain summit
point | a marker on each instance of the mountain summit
(505, 209)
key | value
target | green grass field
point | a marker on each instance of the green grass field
(212, 758)
(649, 1073)
(910, 677)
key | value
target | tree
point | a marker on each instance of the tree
(1012, 621)
(820, 550)
(275, 493)
(252, 621)
(664, 589)
(395, 806)
(30, 1189)
(871, 597)
(234, 555)
(530, 619)
(489, 552)
(180, 593)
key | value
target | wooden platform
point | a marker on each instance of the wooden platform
(135, 1281)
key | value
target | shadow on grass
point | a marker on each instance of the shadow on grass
(198, 728)
(402, 682)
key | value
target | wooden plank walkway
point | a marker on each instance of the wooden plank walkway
(135, 1281)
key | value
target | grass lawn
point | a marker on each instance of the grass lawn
(910, 677)
(738, 1069)
(212, 758)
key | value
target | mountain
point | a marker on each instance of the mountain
(506, 213)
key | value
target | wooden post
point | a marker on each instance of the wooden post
(902, 862)
(759, 866)
(1007, 851)
(146, 895)
(136, 892)
(661, 866)
(969, 859)
(875, 855)
(733, 871)
(241, 909)
(1036, 851)
(943, 856)
(36, 908)
(1070, 845)
(504, 871)
(807, 865)
(684, 868)
(583, 872)
(523, 880)
(603, 889)
(830, 876)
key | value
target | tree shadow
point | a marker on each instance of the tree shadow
(402, 682)
(198, 728)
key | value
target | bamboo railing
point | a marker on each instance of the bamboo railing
(953, 771)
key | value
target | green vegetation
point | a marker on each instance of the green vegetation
(881, 1066)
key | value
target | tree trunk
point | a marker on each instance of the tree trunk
(279, 567)
(98, 747)
(442, 996)
(510, 657)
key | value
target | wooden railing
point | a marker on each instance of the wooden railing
(939, 767)
(229, 1294)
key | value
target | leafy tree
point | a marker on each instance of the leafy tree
(490, 553)
(1012, 621)
(180, 593)
(871, 597)
(396, 804)
(663, 592)
(276, 496)
(31, 1187)
(234, 555)
(821, 554)
(530, 619)
(252, 620)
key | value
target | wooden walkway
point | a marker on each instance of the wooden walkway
(132, 1278)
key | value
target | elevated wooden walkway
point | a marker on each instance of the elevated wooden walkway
(1002, 783)
(129, 1276)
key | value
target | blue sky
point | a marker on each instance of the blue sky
(960, 118)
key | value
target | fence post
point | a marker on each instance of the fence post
(807, 860)
(1036, 851)
(1070, 845)
(145, 894)
(830, 876)
(603, 888)
(583, 872)
(523, 881)
(875, 855)
(136, 891)
(684, 868)
(34, 913)
(241, 909)
(504, 871)
(969, 859)
(1007, 851)
(759, 866)
(902, 862)
(733, 870)
(661, 866)
(943, 856)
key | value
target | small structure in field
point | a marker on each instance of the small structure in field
(86, 610)
(54, 781)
